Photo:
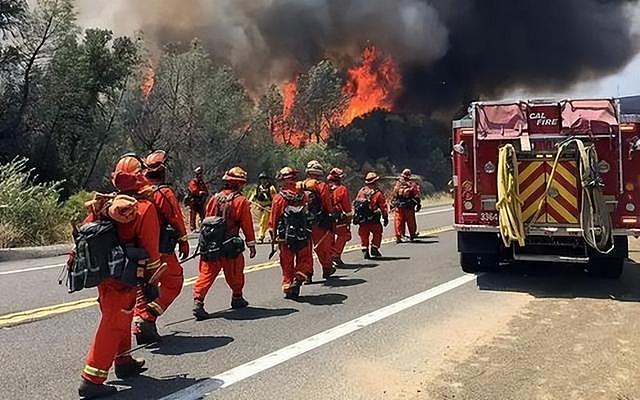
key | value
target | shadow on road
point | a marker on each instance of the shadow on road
(390, 258)
(338, 281)
(252, 313)
(327, 299)
(562, 281)
(174, 345)
(146, 387)
(357, 266)
(420, 241)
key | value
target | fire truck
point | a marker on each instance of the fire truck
(546, 181)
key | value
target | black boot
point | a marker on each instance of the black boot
(326, 273)
(293, 291)
(238, 302)
(90, 390)
(337, 262)
(130, 368)
(146, 332)
(375, 252)
(198, 311)
(365, 254)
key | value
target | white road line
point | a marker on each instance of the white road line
(17, 271)
(244, 371)
(438, 211)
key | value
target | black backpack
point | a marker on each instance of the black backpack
(168, 235)
(215, 240)
(99, 255)
(294, 227)
(362, 211)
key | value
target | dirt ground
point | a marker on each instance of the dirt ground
(572, 337)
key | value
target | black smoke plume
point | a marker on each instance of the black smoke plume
(449, 51)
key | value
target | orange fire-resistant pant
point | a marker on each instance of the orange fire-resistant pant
(170, 287)
(323, 245)
(342, 236)
(233, 269)
(113, 336)
(368, 229)
(405, 217)
(295, 264)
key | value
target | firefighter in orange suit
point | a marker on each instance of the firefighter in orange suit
(289, 228)
(172, 224)
(197, 197)
(406, 201)
(342, 214)
(369, 219)
(117, 300)
(236, 210)
(320, 207)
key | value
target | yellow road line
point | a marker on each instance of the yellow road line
(49, 311)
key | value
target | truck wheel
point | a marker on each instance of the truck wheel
(472, 262)
(610, 268)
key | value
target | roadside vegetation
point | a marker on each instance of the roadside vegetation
(73, 100)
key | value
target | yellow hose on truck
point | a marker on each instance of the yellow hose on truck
(509, 204)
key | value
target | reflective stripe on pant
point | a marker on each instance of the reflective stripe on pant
(300, 263)
(405, 216)
(367, 229)
(264, 223)
(342, 237)
(233, 269)
(170, 287)
(113, 335)
(323, 245)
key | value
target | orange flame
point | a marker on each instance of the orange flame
(371, 85)
(148, 82)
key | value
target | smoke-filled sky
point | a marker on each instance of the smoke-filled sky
(449, 51)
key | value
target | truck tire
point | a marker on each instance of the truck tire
(472, 262)
(609, 267)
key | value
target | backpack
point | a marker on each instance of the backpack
(215, 240)
(314, 205)
(99, 255)
(294, 227)
(362, 211)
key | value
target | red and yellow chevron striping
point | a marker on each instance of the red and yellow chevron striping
(561, 204)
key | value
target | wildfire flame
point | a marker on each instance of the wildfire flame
(373, 84)
(148, 82)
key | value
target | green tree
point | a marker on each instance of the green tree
(319, 98)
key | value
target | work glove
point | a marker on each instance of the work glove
(150, 292)
(252, 251)
(385, 221)
(183, 249)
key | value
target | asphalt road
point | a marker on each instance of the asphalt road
(410, 326)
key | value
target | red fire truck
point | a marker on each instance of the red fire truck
(546, 181)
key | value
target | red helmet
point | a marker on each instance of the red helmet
(235, 174)
(287, 173)
(371, 177)
(335, 174)
(156, 160)
(128, 175)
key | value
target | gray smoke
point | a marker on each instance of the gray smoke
(449, 50)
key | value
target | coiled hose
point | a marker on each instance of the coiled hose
(509, 204)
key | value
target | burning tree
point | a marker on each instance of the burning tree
(320, 100)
